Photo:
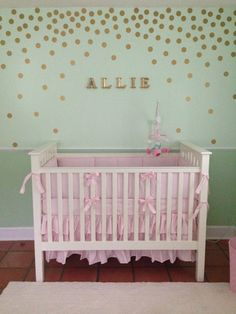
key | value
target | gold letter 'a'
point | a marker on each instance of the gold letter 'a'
(91, 83)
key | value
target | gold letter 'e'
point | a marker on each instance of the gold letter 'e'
(144, 82)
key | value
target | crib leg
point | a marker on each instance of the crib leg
(39, 265)
(200, 264)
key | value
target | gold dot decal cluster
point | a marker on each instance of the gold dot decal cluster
(48, 54)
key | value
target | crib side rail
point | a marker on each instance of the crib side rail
(42, 155)
(197, 156)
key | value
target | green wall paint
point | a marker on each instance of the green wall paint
(46, 53)
(16, 209)
(188, 54)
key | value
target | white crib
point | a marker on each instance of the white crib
(174, 174)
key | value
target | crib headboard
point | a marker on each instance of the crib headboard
(42, 155)
(196, 155)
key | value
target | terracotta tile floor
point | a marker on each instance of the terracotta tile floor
(17, 264)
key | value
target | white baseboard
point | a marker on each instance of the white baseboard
(27, 233)
(16, 233)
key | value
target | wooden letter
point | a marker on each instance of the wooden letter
(104, 83)
(119, 83)
(133, 82)
(144, 82)
(91, 83)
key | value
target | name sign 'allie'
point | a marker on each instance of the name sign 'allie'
(119, 83)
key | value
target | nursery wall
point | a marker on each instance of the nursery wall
(47, 56)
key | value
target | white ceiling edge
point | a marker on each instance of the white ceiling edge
(114, 3)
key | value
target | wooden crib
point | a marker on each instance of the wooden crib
(155, 188)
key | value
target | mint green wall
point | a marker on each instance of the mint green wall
(188, 54)
(16, 209)
(48, 54)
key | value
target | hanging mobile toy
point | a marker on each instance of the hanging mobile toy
(156, 138)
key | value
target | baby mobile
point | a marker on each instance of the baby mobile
(156, 138)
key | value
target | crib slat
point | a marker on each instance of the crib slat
(103, 194)
(49, 206)
(93, 214)
(82, 222)
(136, 206)
(180, 206)
(71, 206)
(190, 206)
(125, 208)
(147, 211)
(59, 203)
(114, 206)
(169, 203)
(158, 206)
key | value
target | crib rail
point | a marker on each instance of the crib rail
(117, 206)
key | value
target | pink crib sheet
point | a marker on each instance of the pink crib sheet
(123, 256)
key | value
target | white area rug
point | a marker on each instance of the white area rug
(114, 298)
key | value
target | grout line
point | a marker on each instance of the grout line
(167, 269)
(98, 272)
(133, 269)
(29, 270)
(222, 250)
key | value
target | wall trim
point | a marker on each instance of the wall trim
(27, 233)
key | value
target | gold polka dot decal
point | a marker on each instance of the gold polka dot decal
(36, 114)
(178, 130)
(113, 57)
(62, 75)
(45, 87)
(14, 144)
(9, 115)
(86, 54)
(62, 98)
(188, 98)
(213, 141)
(210, 111)
(19, 96)
(55, 130)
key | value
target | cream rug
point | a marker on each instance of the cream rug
(114, 298)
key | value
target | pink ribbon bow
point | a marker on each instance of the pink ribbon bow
(147, 203)
(35, 179)
(200, 206)
(91, 178)
(147, 175)
(203, 181)
(89, 202)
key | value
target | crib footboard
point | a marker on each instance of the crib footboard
(121, 208)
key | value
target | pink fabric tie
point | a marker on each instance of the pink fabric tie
(203, 181)
(200, 206)
(89, 202)
(91, 178)
(147, 175)
(35, 179)
(147, 203)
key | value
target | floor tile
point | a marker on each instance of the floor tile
(51, 274)
(224, 244)
(5, 245)
(75, 261)
(217, 274)
(52, 263)
(2, 253)
(179, 263)
(79, 274)
(182, 274)
(115, 274)
(216, 258)
(146, 262)
(17, 259)
(212, 245)
(22, 246)
(11, 274)
(113, 262)
(151, 274)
